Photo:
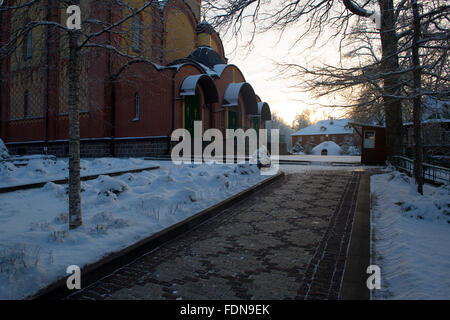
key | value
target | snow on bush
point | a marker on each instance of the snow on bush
(332, 149)
(262, 157)
(104, 221)
(353, 151)
(297, 149)
(109, 220)
(434, 206)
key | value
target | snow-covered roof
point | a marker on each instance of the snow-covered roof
(210, 72)
(206, 56)
(231, 94)
(264, 111)
(331, 126)
(219, 68)
(428, 121)
(434, 111)
(231, 97)
(189, 85)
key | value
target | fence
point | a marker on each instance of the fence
(431, 173)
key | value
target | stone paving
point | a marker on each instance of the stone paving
(288, 241)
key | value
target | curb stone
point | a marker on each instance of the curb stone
(358, 258)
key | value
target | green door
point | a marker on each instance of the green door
(232, 120)
(191, 112)
(255, 123)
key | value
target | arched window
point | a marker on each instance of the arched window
(28, 44)
(136, 30)
(26, 104)
(136, 106)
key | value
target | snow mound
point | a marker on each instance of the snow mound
(3, 151)
(109, 186)
(331, 149)
(353, 151)
(8, 173)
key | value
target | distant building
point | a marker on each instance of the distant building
(435, 127)
(336, 130)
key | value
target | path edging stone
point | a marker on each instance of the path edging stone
(358, 259)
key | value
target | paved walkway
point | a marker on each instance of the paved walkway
(288, 241)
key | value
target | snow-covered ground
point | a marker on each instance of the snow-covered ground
(36, 246)
(411, 238)
(320, 158)
(295, 168)
(40, 169)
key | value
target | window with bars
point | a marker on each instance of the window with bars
(28, 45)
(27, 95)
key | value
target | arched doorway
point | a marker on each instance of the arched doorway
(199, 91)
(239, 101)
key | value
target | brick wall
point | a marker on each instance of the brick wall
(141, 147)
(95, 149)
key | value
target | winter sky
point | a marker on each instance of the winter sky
(259, 68)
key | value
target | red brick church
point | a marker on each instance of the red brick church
(129, 107)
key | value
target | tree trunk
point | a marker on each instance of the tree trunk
(391, 83)
(74, 133)
(418, 146)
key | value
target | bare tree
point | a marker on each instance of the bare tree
(379, 59)
(302, 120)
(417, 85)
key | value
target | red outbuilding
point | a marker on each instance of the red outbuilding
(373, 143)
